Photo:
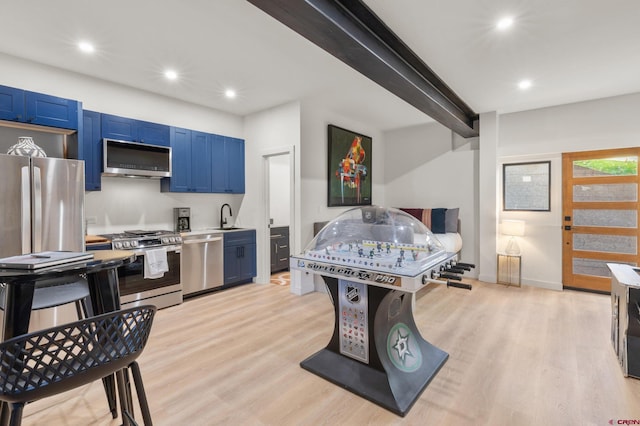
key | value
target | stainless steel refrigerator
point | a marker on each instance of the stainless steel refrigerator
(42, 204)
(41, 208)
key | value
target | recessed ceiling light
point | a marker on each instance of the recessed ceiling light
(524, 84)
(171, 75)
(86, 47)
(504, 23)
(230, 93)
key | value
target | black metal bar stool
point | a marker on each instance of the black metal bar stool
(54, 292)
(51, 361)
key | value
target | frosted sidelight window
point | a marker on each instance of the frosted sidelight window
(605, 192)
(596, 268)
(525, 186)
(606, 218)
(605, 243)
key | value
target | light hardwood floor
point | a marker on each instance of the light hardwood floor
(518, 356)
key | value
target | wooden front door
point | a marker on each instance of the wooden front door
(600, 215)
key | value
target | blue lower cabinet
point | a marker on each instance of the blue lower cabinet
(239, 257)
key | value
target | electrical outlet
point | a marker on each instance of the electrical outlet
(92, 220)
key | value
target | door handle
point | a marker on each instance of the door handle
(202, 240)
(25, 190)
(37, 210)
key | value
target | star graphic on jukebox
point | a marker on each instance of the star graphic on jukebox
(402, 347)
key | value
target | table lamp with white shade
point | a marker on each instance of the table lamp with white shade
(513, 228)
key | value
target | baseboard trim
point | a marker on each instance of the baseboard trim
(543, 284)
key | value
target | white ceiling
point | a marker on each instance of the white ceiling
(572, 50)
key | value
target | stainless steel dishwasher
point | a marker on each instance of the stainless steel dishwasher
(202, 262)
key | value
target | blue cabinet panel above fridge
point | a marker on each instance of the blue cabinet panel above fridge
(23, 106)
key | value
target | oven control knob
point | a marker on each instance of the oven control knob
(134, 244)
(118, 245)
(127, 244)
(165, 240)
(172, 239)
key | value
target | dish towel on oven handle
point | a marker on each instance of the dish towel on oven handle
(155, 263)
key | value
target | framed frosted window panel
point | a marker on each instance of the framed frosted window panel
(526, 186)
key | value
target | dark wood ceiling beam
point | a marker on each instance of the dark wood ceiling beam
(351, 32)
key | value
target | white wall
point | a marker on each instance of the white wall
(268, 132)
(544, 134)
(487, 223)
(125, 204)
(422, 170)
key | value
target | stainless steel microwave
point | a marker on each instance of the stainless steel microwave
(122, 158)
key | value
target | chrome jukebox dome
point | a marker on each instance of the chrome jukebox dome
(376, 238)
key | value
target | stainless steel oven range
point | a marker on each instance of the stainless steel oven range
(137, 290)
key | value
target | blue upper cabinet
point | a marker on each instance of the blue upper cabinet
(11, 104)
(190, 157)
(218, 165)
(91, 150)
(128, 129)
(201, 161)
(235, 164)
(180, 180)
(37, 108)
(153, 133)
(46, 110)
(119, 128)
(204, 162)
(228, 165)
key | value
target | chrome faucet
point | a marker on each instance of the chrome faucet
(223, 221)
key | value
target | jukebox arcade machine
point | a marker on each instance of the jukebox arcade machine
(372, 260)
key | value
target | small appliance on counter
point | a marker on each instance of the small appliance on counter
(182, 219)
